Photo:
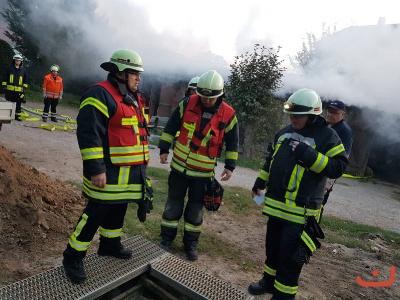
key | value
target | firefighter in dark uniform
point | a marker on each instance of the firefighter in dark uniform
(205, 122)
(15, 84)
(303, 155)
(113, 141)
(191, 90)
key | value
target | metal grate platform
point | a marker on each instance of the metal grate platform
(104, 274)
(107, 273)
(194, 283)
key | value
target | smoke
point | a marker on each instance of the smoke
(358, 65)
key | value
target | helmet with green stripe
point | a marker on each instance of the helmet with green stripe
(122, 60)
(210, 85)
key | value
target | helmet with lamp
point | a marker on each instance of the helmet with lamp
(303, 102)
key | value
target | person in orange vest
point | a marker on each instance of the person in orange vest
(205, 122)
(113, 141)
(15, 84)
(52, 93)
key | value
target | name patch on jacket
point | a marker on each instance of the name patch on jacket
(207, 115)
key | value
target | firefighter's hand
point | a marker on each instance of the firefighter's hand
(163, 158)
(99, 180)
(253, 194)
(226, 175)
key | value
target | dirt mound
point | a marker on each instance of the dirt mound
(37, 214)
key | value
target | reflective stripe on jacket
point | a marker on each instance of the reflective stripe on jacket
(127, 134)
(52, 87)
(15, 80)
(195, 152)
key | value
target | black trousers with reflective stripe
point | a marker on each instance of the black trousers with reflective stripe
(108, 216)
(178, 186)
(281, 241)
(50, 103)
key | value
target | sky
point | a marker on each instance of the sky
(191, 37)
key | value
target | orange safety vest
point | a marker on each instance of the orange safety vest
(52, 87)
(199, 150)
(127, 133)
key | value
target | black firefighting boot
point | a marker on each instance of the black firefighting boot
(54, 119)
(44, 119)
(74, 269)
(114, 249)
(261, 287)
(191, 252)
(166, 245)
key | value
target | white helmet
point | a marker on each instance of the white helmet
(210, 85)
(55, 68)
(303, 102)
(17, 57)
(193, 83)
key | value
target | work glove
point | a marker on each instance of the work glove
(146, 205)
(44, 95)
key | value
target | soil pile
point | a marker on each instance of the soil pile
(37, 214)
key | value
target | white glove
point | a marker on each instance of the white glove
(44, 94)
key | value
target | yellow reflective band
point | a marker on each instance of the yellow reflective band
(130, 121)
(170, 224)
(181, 109)
(191, 127)
(134, 150)
(123, 177)
(335, 150)
(96, 103)
(166, 137)
(175, 164)
(205, 140)
(269, 270)
(231, 155)
(294, 182)
(320, 163)
(231, 124)
(308, 241)
(20, 80)
(264, 175)
(192, 228)
(78, 245)
(11, 78)
(292, 290)
(110, 233)
(92, 153)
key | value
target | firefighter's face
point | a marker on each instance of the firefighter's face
(334, 116)
(133, 78)
(17, 62)
(298, 121)
(208, 102)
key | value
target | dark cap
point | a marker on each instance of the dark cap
(337, 105)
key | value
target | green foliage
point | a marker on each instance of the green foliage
(6, 54)
(250, 87)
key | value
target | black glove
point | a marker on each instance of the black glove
(146, 205)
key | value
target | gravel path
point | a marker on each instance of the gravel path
(56, 153)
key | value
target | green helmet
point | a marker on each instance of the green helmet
(193, 82)
(303, 102)
(122, 60)
(55, 68)
(210, 85)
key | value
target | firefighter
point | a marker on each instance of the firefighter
(205, 122)
(15, 83)
(191, 90)
(113, 141)
(52, 93)
(304, 153)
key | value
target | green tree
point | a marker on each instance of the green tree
(6, 54)
(250, 90)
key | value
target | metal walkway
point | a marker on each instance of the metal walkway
(107, 273)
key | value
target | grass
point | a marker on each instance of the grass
(68, 100)
(347, 233)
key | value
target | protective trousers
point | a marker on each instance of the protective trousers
(178, 186)
(281, 241)
(50, 103)
(110, 219)
(15, 97)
